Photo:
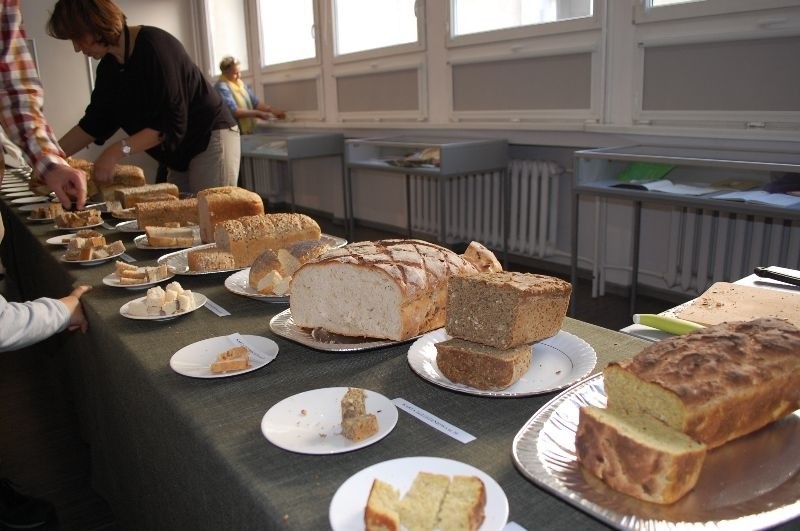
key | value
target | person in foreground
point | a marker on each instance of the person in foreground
(21, 98)
(22, 324)
(147, 85)
(241, 99)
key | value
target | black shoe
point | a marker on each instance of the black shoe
(18, 511)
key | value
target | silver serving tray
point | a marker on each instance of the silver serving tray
(750, 483)
(179, 261)
(320, 339)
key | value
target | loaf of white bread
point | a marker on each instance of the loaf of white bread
(215, 205)
(171, 236)
(434, 501)
(160, 213)
(494, 317)
(391, 289)
(244, 239)
(357, 424)
(272, 271)
(712, 385)
(249, 236)
(131, 196)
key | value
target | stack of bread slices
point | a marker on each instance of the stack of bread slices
(685, 395)
(493, 318)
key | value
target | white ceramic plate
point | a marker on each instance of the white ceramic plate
(76, 229)
(113, 280)
(346, 511)
(29, 208)
(195, 360)
(750, 483)
(179, 261)
(128, 226)
(96, 261)
(13, 188)
(30, 200)
(199, 301)
(239, 283)
(39, 220)
(21, 193)
(283, 325)
(62, 239)
(141, 242)
(557, 362)
(310, 422)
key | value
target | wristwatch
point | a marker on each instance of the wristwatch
(126, 148)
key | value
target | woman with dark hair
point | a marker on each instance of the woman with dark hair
(147, 85)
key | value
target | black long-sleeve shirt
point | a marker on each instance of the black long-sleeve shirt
(161, 88)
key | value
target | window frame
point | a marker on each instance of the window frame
(208, 43)
(289, 65)
(748, 120)
(420, 7)
(572, 25)
(546, 118)
(704, 8)
(419, 115)
(308, 75)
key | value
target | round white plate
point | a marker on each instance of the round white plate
(96, 261)
(199, 301)
(347, 506)
(29, 200)
(129, 226)
(239, 283)
(195, 360)
(141, 242)
(13, 188)
(61, 239)
(39, 220)
(29, 208)
(310, 422)
(557, 362)
(76, 229)
(113, 280)
(21, 193)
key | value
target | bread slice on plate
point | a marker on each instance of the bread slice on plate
(638, 455)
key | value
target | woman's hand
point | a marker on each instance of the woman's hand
(73, 302)
(103, 171)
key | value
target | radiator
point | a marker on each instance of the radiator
(264, 176)
(709, 246)
(474, 207)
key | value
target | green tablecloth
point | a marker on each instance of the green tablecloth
(172, 452)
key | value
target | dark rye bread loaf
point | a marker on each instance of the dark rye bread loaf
(715, 384)
(506, 309)
(482, 366)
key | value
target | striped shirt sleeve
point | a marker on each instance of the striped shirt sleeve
(21, 94)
